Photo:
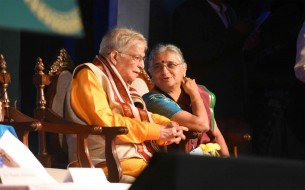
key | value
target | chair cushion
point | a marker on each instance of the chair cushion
(63, 82)
(140, 85)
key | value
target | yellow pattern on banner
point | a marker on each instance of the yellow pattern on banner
(62, 22)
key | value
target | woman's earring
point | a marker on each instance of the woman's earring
(184, 75)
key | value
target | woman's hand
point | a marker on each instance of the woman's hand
(190, 87)
(197, 120)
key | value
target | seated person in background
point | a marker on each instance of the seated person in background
(101, 94)
(299, 67)
(177, 97)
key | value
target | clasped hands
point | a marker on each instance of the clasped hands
(172, 133)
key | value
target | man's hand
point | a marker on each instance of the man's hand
(172, 133)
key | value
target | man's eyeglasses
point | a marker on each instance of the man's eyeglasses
(169, 66)
(136, 58)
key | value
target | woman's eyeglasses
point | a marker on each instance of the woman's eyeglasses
(168, 65)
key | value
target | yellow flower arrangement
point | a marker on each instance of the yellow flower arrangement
(210, 148)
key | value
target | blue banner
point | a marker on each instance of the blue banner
(48, 16)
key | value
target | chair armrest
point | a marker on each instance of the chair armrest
(22, 123)
(60, 125)
(23, 129)
(24, 126)
(16, 115)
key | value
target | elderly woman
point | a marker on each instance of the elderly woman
(101, 95)
(178, 97)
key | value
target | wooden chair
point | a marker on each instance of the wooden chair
(238, 135)
(49, 144)
(56, 155)
(11, 115)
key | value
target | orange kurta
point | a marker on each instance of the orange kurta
(91, 104)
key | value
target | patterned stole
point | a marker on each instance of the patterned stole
(208, 99)
(128, 99)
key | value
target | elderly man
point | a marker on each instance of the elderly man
(101, 94)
